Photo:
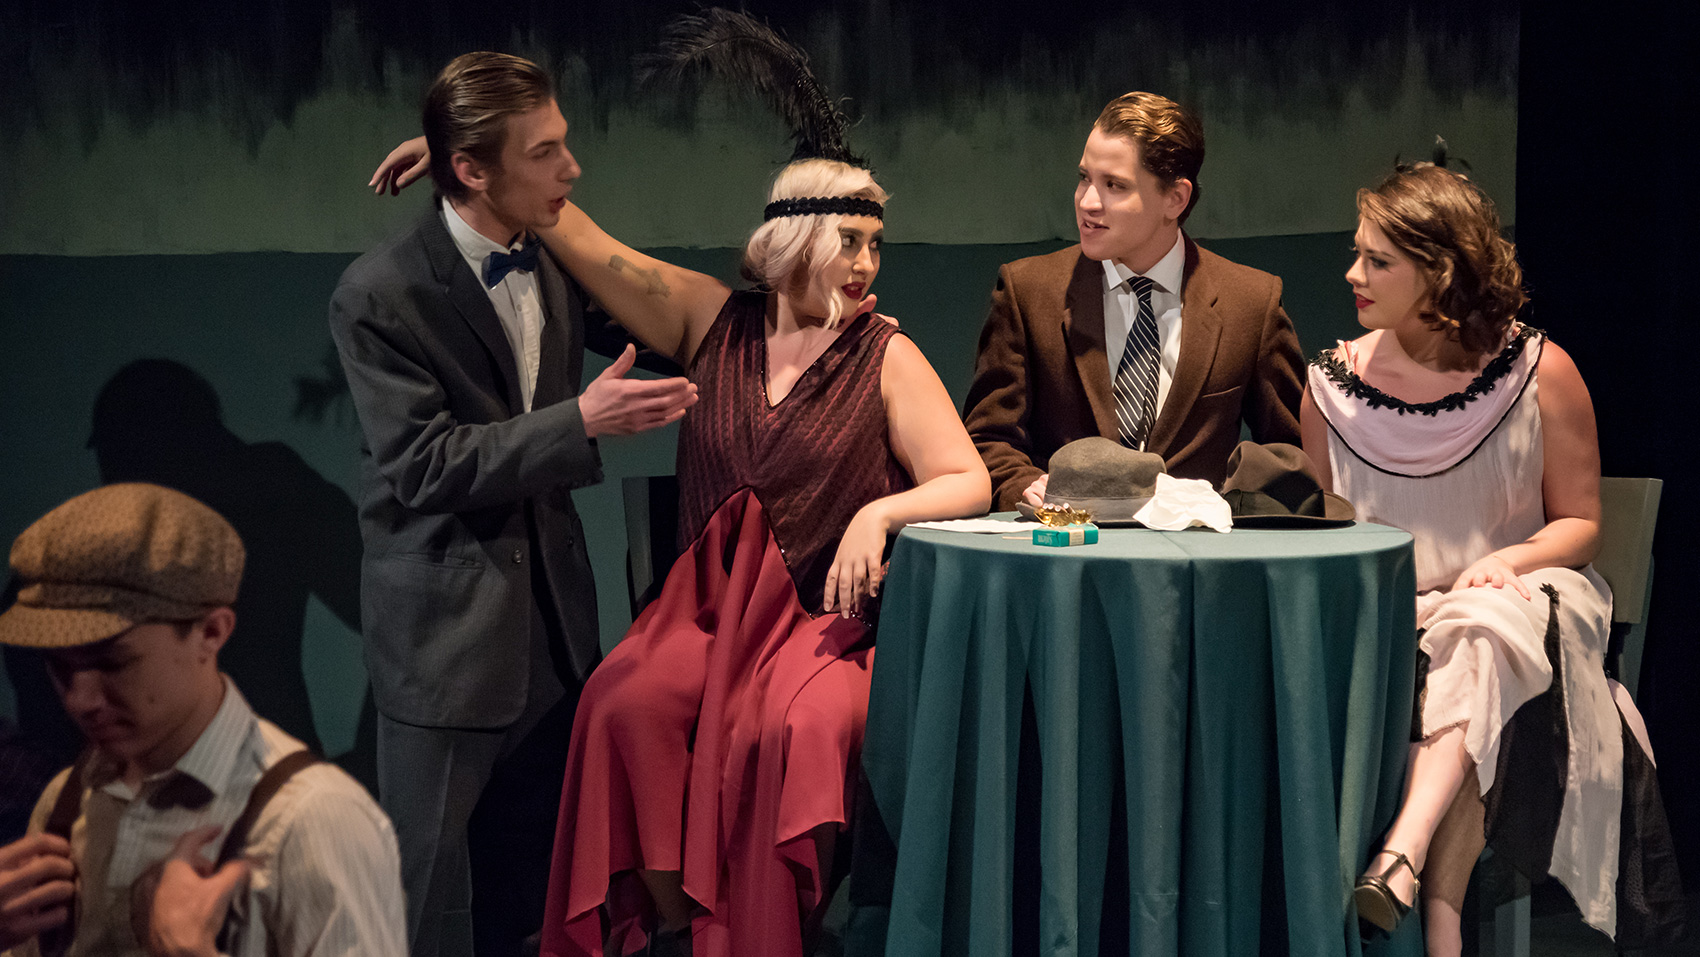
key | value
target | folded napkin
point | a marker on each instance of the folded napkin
(1182, 503)
(980, 525)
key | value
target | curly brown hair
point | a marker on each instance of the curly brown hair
(1450, 227)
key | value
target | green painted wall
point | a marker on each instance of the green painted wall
(144, 129)
(985, 173)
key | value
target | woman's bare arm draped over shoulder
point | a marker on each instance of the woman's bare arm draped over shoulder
(667, 307)
(670, 309)
(929, 440)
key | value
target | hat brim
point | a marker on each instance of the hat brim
(26, 626)
(1337, 513)
(1026, 511)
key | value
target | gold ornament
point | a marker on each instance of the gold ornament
(1059, 516)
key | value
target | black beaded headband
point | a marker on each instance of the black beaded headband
(824, 205)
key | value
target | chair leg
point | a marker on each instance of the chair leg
(1511, 922)
(1629, 661)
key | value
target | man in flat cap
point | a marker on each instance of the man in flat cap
(189, 825)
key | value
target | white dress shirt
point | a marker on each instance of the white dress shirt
(1121, 308)
(326, 876)
(518, 298)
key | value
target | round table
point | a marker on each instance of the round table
(1216, 730)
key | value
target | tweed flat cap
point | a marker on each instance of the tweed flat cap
(116, 557)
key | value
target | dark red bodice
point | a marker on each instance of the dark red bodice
(813, 460)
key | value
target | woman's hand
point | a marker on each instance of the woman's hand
(867, 304)
(405, 164)
(1491, 571)
(856, 571)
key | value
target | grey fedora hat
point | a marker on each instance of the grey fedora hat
(1103, 477)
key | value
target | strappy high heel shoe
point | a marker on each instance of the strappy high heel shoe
(1375, 898)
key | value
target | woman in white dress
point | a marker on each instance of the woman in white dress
(1470, 430)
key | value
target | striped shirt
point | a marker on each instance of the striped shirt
(326, 874)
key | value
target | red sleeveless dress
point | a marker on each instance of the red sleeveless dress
(721, 730)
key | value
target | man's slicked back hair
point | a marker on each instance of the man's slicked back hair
(467, 108)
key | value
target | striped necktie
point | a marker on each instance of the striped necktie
(1136, 374)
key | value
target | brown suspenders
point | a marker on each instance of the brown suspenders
(69, 806)
(276, 776)
(55, 942)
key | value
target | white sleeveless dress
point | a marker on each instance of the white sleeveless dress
(1463, 476)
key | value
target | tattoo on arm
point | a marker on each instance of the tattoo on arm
(651, 277)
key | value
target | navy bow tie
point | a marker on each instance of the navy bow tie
(498, 265)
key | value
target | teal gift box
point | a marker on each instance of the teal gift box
(1062, 537)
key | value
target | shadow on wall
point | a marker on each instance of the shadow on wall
(158, 421)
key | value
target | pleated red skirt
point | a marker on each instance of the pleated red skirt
(712, 741)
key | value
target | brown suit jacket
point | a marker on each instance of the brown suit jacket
(1042, 377)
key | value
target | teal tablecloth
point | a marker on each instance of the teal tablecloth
(1248, 696)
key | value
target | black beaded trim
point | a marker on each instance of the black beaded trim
(1481, 385)
(824, 205)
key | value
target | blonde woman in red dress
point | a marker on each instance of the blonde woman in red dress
(708, 780)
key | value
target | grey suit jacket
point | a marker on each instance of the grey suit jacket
(460, 489)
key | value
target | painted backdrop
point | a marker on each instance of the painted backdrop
(188, 182)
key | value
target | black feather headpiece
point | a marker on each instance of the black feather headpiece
(749, 54)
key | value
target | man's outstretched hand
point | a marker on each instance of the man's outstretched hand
(615, 405)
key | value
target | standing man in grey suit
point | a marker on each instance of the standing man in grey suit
(463, 349)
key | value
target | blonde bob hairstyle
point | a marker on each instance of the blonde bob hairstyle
(789, 254)
(1450, 227)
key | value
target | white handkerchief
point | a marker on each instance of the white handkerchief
(1182, 503)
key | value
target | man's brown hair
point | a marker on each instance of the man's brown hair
(1170, 140)
(467, 108)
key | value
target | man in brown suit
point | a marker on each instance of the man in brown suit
(1136, 334)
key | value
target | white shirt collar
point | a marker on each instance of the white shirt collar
(1166, 274)
(474, 246)
(211, 760)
